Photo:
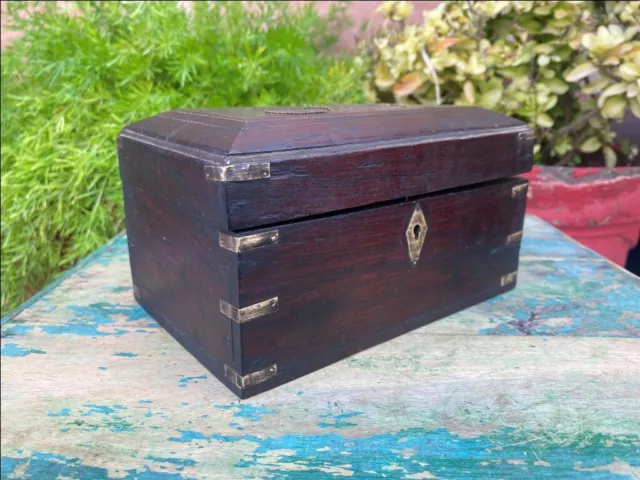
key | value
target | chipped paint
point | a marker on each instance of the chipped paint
(14, 350)
(540, 382)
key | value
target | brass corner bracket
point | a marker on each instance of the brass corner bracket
(242, 315)
(514, 237)
(252, 378)
(508, 278)
(237, 173)
(243, 243)
(519, 190)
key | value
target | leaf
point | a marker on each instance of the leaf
(383, 78)
(615, 89)
(409, 84)
(581, 71)
(543, 60)
(590, 145)
(610, 157)
(614, 108)
(557, 86)
(490, 99)
(634, 105)
(443, 43)
(629, 71)
(544, 120)
(469, 92)
(596, 86)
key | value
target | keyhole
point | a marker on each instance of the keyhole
(416, 232)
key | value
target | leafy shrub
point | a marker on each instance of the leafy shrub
(75, 78)
(567, 68)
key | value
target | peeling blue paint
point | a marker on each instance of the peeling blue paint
(502, 454)
(339, 420)
(442, 454)
(91, 320)
(184, 381)
(87, 330)
(247, 411)
(41, 465)
(118, 289)
(14, 350)
(184, 462)
(17, 330)
(102, 368)
(62, 413)
(125, 354)
(554, 311)
(101, 409)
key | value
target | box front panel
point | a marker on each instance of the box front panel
(347, 282)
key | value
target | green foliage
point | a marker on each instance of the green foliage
(75, 77)
(567, 68)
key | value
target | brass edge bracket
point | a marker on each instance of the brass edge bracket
(239, 243)
(528, 135)
(237, 173)
(416, 233)
(514, 237)
(251, 379)
(519, 190)
(508, 278)
(242, 315)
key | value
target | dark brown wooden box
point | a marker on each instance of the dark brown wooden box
(271, 242)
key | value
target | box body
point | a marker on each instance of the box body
(269, 265)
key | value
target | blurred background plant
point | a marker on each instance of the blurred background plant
(567, 68)
(77, 75)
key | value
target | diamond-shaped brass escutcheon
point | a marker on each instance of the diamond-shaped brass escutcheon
(416, 233)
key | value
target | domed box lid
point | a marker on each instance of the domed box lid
(278, 164)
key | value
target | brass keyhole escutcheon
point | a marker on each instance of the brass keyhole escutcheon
(416, 233)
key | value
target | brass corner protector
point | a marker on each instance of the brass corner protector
(240, 243)
(528, 135)
(514, 237)
(519, 190)
(252, 378)
(241, 315)
(508, 278)
(416, 233)
(237, 173)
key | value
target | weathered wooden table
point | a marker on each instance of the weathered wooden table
(541, 382)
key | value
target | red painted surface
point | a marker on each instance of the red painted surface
(599, 207)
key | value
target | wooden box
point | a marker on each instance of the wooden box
(271, 242)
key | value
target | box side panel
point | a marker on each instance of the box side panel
(178, 270)
(313, 183)
(346, 283)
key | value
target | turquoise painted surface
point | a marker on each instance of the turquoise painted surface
(541, 382)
